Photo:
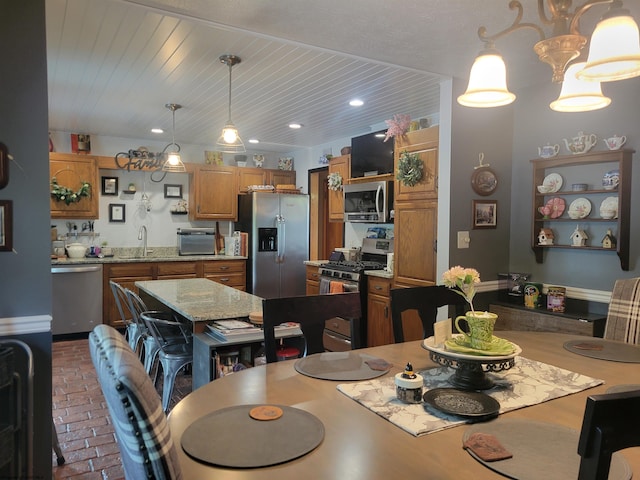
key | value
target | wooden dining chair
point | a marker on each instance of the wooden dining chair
(424, 300)
(140, 424)
(623, 316)
(311, 312)
(610, 424)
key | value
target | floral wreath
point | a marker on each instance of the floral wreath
(410, 169)
(335, 181)
(68, 196)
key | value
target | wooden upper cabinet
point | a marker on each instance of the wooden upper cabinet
(425, 144)
(281, 177)
(214, 193)
(251, 176)
(71, 170)
(341, 165)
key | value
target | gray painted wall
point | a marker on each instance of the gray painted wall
(473, 131)
(25, 283)
(535, 124)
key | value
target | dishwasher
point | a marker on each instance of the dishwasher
(77, 298)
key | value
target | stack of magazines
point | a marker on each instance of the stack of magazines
(240, 330)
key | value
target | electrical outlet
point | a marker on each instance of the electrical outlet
(463, 240)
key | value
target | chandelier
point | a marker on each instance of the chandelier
(230, 141)
(173, 163)
(614, 54)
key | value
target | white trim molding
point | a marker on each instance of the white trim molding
(25, 325)
(601, 296)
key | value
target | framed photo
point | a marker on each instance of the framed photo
(116, 212)
(109, 185)
(485, 213)
(172, 191)
(6, 225)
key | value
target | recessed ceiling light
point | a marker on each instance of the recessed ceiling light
(380, 135)
(295, 125)
(356, 102)
(254, 140)
(157, 130)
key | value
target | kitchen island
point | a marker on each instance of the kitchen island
(198, 300)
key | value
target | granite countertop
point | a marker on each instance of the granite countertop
(379, 273)
(202, 300)
(315, 263)
(134, 255)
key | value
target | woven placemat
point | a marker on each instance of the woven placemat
(342, 366)
(540, 450)
(230, 437)
(604, 349)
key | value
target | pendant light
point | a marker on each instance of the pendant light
(579, 95)
(173, 163)
(230, 141)
(487, 82)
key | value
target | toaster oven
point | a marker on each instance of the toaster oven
(196, 241)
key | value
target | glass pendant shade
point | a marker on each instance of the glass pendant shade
(578, 95)
(230, 141)
(173, 163)
(487, 82)
(614, 53)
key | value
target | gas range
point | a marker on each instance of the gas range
(349, 270)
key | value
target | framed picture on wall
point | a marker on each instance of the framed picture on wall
(6, 225)
(172, 191)
(116, 212)
(109, 185)
(485, 213)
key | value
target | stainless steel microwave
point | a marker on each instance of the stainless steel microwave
(370, 202)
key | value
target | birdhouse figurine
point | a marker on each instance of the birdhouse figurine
(545, 237)
(609, 241)
(579, 237)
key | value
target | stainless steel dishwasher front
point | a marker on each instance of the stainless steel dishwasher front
(77, 298)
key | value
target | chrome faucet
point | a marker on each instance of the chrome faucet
(142, 235)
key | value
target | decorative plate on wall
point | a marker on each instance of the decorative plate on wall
(484, 181)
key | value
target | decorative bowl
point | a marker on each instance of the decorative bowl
(579, 187)
(76, 250)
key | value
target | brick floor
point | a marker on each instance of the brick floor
(81, 416)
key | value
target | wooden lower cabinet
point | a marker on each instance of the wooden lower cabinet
(228, 272)
(313, 280)
(379, 328)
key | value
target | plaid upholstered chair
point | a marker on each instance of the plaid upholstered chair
(141, 427)
(623, 318)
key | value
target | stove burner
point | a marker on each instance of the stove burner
(351, 266)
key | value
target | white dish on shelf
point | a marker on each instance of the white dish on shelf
(609, 208)
(579, 208)
(554, 181)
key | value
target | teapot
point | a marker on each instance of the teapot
(548, 151)
(615, 142)
(581, 143)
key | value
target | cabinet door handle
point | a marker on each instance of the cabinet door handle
(377, 287)
(224, 279)
(224, 267)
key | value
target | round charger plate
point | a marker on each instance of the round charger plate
(463, 403)
(553, 180)
(540, 450)
(341, 366)
(230, 437)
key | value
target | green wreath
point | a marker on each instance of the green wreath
(68, 196)
(410, 169)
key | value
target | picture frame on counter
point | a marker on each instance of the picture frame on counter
(172, 191)
(485, 214)
(117, 212)
(6, 225)
(109, 185)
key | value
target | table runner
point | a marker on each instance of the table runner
(528, 383)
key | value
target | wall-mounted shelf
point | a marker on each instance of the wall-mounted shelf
(576, 168)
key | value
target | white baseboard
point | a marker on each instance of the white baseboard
(25, 325)
(572, 292)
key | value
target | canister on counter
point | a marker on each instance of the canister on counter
(532, 295)
(555, 298)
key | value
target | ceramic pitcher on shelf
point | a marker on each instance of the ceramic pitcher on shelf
(581, 143)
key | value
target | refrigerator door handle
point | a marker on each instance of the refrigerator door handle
(378, 211)
(280, 233)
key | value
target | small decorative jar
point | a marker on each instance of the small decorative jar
(409, 386)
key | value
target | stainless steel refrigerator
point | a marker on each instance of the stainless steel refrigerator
(278, 242)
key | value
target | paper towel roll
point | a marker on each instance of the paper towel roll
(389, 262)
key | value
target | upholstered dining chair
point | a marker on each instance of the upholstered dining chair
(133, 333)
(623, 317)
(174, 340)
(426, 301)
(140, 424)
(610, 424)
(311, 312)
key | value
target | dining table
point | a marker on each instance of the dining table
(360, 444)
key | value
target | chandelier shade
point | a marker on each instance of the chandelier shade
(229, 140)
(578, 95)
(614, 53)
(174, 162)
(487, 83)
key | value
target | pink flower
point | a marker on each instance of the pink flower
(398, 125)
